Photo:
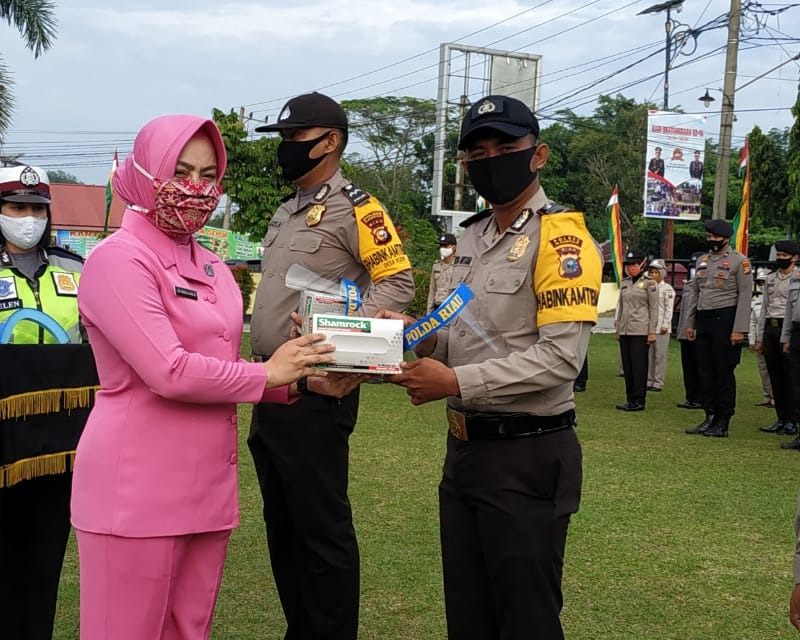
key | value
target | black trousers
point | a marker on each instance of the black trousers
(717, 359)
(34, 528)
(634, 351)
(583, 374)
(301, 455)
(794, 365)
(691, 375)
(780, 373)
(504, 510)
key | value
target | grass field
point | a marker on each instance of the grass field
(678, 537)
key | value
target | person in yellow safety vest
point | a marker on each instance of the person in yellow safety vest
(33, 274)
(34, 513)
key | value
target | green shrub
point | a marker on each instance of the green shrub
(244, 279)
(422, 281)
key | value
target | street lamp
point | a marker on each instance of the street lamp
(707, 99)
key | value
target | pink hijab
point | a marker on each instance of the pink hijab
(157, 148)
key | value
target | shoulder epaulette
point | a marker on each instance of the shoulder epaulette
(552, 207)
(476, 218)
(64, 253)
(354, 194)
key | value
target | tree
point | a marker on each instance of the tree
(253, 180)
(793, 168)
(36, 22)
(59, 176)
(768, 181)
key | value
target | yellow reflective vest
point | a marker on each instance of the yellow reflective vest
(54, 291)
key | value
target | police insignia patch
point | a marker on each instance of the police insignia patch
(65, 284)
(568, 249)
(746, 268)
(285, 114)
(314, 214)
(29, 177)
(354, 194)
(376, 223)
(323, 192)
(487, 107)
(522, 218)
(8, 288)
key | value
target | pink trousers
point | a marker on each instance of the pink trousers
(149, 588)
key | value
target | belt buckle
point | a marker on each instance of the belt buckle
(457, 424)
(773, 322)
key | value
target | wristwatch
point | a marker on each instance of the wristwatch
(302, 386)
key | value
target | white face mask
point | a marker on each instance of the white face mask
(445, 252)
(24, 233)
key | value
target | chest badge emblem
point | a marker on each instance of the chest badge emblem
(518, 250)
(314, 214)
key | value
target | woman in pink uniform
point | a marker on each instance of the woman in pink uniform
(155, 491)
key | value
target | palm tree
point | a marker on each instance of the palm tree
(36, 22)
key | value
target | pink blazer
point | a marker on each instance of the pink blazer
(158, 455)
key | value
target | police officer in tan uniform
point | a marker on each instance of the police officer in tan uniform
(442, 272)
(790, 343)
(768, 336)
(636, 323)
(335, 230)
(719, 320)
(656, 373)
(691, 376)
(512, 473)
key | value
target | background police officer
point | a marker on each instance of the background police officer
(34, 513)
(691, 377)
(719, 320)
(512, 473)
(636, 324)
(790, 341)
(301, 451)
(775, 297)
(657, 368)
(442, 272)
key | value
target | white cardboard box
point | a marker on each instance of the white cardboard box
(363, 345)
(312, 302)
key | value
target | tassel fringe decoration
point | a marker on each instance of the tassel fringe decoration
(45, 401)
(47, 465)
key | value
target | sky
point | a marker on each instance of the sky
(115, 65)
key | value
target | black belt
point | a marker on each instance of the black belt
(711, 313)
(502, 426)
(775, 323)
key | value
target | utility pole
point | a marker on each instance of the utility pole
(726, 120)
(226, 217)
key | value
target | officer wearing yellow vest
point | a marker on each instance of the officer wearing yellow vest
(512, 472)
(34, 513)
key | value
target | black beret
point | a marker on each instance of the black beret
(719, 227)
(792, 247)
(498, 113)
(634, 257)
(447, 238)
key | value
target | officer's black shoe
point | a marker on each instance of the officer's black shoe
(775, 427)
(789, 429)
(688, 405)
(578, 387)
(701, 428)
(631, 406)
(718, 428)
(656, 389)
(792, 444)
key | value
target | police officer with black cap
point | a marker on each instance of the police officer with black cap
(512, 472)
(768, 337)
(301, 451)
(718, 320)
(442, 272)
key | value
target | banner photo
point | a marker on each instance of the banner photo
(674, 165)
(226, 244)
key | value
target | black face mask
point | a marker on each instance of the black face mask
(716, 245)
(502, 178)
(293, 156)
(783, 263)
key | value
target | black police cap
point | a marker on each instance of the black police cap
(499, 113)
(447, 238)
(309, 110)
(792, 247)
(719, 227)
(634, 256)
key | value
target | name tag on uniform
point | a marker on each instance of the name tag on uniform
(183, 292)
(65, 283)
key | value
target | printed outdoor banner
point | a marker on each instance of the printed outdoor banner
(674, 169)
(226, 244)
